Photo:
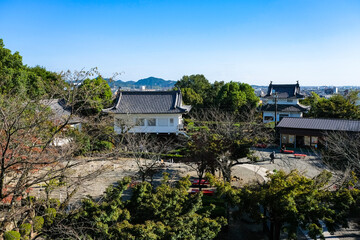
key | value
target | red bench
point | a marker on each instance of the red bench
(260, 145)
(297, 155)
(287, 151)
(205, 192)
(197, 182)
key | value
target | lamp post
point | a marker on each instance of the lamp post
(275, 99)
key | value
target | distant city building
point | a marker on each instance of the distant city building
(284, 100)
(330, 91)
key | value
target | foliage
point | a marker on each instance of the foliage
(311, 100)
(93, 96)
(38, 223)
(82, 140)
(335, 107)
(167, 212)
(198, 91)
(198, 83)
(292, 200)
(237, 97)
(12, 235)
(95, 136)
(28, 82)
(219, 140)
(50, 214)
(342, 151)
(29, 157)
(25, 230)
(190, 97)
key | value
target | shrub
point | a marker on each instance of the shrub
(25, 230)
(54, 203)
(38, 223)
(30, 200)
(50, 214)
(102, 146)
(12, 235)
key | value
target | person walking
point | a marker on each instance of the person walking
(272, 157)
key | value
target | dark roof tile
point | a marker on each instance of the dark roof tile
(159, 102)
(284, 91)
(285, 108)
(321, 124)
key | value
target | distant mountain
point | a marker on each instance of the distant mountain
(149, 83)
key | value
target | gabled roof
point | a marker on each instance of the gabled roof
(158, 102)
(285, 108)
(321, 124)
(60, 110)
(284, 91)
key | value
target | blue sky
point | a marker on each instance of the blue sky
(314, 41)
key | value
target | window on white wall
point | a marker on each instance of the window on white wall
(163, 122)
(120, 122)
(283, 115)
(171, 122)
(139, 122)
(151, 121)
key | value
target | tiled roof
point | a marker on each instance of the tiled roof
(321, 124)
(60, 110)
(132, 102)
(285, 108)
(284, 91)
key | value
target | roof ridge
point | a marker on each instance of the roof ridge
(335, 119)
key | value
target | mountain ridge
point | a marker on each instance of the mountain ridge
(149, 83)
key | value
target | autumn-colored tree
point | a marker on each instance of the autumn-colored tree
(30, 156)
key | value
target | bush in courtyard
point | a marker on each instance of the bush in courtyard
(25, 230)
(38, 223)
(12, 235)
(50, 214)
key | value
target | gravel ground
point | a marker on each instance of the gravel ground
(119, 168)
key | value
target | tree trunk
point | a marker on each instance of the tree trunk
(277, 231)
(227, 175)
(265, 227)
(271, 235)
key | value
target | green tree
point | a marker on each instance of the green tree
(237, 97)
(199, 84)
(93, 96)
(226, 137)
(336, 107)
(52, 83)
(167, 212)
(311, 100)
(198, 91)
(289, 201)
(25, 81)
(190, 97)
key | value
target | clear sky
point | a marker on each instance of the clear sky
(314, 41)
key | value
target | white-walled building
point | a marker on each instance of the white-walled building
(284, 100)
(148, 112)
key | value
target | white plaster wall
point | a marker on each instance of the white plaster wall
(131, 118)
(280, 101)
(290, 114)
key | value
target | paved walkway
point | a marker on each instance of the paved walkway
(263, 172)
